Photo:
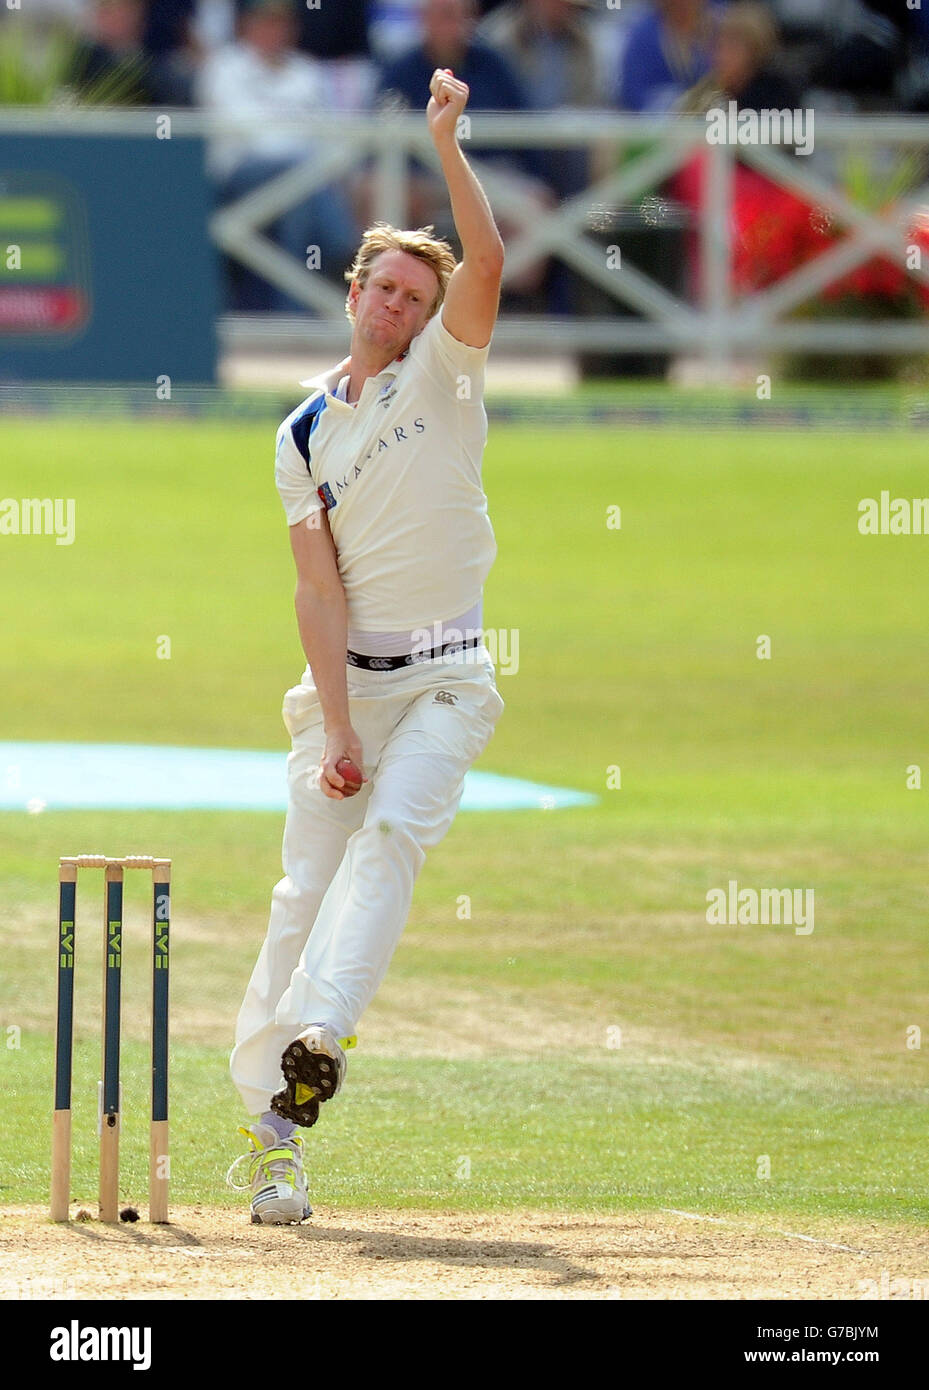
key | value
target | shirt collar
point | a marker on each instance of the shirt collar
(328, 381)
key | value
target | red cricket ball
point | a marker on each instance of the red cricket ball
(353, 778)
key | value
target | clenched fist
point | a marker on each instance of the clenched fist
(449, 98)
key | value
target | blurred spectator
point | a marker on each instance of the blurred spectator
(393, 26)
(110, 65)
(448, 42)
(212, 23)
(667, 52)
(804, 27)
(611, 30)
(550, 43)
(250, 82)
(799, 18)
(185, 31)
(743, 68)
(178, 35)
(914, 86)
(868, 51)
(551, 46)
(167, 25)
(197, 27)
(337, 32)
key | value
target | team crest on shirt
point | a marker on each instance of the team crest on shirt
(325, 495)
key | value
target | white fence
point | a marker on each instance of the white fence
(634, 156)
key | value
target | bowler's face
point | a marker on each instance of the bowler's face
(394, 304)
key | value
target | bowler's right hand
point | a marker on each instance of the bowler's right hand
(340, 743)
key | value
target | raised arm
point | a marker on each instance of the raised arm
(473, 295)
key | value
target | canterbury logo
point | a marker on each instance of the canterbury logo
(444, 697)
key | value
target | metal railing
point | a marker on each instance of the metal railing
(643, 153)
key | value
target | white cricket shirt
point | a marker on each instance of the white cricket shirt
(399, 474)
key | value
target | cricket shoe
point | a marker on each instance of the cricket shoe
(314, 1068)
(275, 1176)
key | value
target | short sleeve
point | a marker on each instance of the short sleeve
(446, 359)
(292, 476)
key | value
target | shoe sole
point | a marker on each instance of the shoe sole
(310, 1078)
(283, 1221)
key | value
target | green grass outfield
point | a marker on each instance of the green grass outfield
(489, 1074)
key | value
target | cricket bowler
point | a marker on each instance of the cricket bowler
(379, 471)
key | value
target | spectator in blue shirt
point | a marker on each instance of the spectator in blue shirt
(448, 42)
(667, 52)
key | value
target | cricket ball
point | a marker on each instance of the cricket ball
(353, 778)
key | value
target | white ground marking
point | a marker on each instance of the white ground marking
(788, 1235)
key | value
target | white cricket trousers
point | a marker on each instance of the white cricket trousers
(350, 865)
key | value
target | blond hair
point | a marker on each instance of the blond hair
(420, 242)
